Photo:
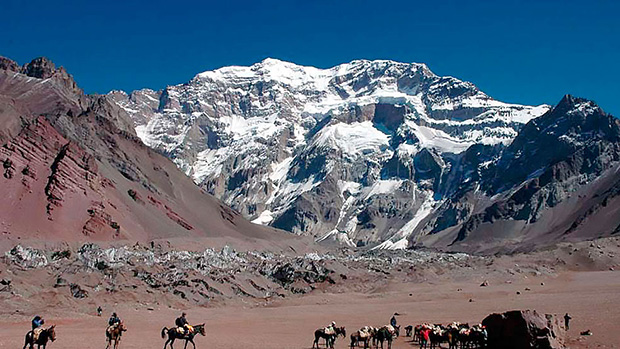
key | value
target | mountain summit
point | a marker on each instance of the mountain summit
(364, 153)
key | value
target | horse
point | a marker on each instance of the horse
(329, 338)
(174, 334)
(45, 335)
(114, 334)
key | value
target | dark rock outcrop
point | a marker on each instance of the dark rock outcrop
(40, 68)
(9, 64)
(523, 329)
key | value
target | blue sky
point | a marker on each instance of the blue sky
(528, 52)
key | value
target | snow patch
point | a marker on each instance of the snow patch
(354, 139)
(400, 240)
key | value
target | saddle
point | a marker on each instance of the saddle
(364, 333)
(111, 328)
(36, 333)
(181, 330)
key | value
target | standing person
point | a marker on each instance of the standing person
(566, 320)
(426, 335)
(99, 311)
(393, 320)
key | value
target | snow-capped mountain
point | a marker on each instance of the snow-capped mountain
(366, 153)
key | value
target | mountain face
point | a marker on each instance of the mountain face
(366, 153)
(558, 179)
(73, 169)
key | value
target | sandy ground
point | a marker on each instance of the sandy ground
(590, 297)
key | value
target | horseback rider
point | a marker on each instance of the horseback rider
(113, 322)
(114, 319)
(393, 320)
(37, 322)
(182, 323)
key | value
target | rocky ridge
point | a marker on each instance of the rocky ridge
(209, 275)
(157, 274)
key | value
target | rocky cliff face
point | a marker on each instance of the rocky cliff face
(73, 169)
(364, 153)
(550, 183)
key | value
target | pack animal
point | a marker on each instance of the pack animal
(386, 334)
(47, 334)
(364, 335)
(174, 334)
(114, 334)
(330, 338)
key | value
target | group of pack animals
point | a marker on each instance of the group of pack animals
(114, 334)
(456, 335)
(369, 336)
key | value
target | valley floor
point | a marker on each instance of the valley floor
(591, 297)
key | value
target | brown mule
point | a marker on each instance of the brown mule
(114, 334)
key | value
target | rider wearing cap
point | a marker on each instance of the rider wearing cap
(37, 322)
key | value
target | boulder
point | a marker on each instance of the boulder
(27, 257)
(520, 329)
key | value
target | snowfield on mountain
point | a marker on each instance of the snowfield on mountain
(368, 153)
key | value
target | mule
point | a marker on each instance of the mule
(330, 338)
(114, 334)
(383, 335)
(437, 336)
(47, 334)
(364, 335)
(173, 334)
(472, 339)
